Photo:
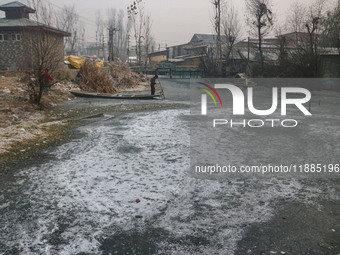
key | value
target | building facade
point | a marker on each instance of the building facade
(23, 41)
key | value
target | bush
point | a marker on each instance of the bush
(92, 79)
(65, 74)
(123, 77)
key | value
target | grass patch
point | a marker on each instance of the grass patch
(30, 127)
(24, 149)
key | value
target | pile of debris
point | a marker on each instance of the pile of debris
(14, 99)
(123, 77)
(65, 85)
(92, 79)
(116, 78)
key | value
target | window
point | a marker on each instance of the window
(4, 37)
(16, 37)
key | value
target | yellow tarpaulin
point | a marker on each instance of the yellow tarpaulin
(77, 62)
(99, 64)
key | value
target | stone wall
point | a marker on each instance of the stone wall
(24, 54)
(11, 51)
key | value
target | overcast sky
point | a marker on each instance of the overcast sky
(174, 21)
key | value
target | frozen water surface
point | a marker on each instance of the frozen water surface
(83, 201)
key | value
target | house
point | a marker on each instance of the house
(207, 39)
(20, 38)
(157, 57)
(198, 45)
(95, 51)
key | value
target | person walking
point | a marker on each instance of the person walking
(47, 78)
(153, 83)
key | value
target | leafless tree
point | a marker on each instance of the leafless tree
(141, 23)
(217, 20)
(231, 28)
(260, 16)
(120, 35)
(47, 54)
(45, 12)
(136, 14)
(100, 27)
(44, 50)
(112, 17)
(81, 35)
(120, 27)
(300, 54)
(148, 40)
(68, 21)
(331, 33)
(296, 18)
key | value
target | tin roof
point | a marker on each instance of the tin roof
(16, 4)
(207, 38)
(7, 24)
(156, 53)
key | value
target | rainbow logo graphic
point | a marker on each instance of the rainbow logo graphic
(204, 97)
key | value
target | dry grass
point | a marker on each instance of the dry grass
(118, 78)
(123, 77)
(92, 79)
(65, 74)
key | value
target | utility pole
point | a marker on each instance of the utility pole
(139, 55)
(111, 29)
(248, 48)
(103, 46)
(128, 47)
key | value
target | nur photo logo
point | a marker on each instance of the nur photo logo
(301, 97)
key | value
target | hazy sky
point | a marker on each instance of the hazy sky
(174, 21)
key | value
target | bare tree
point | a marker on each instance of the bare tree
(141, 23)
(296, 18)
(303, 56)
(120, 27)
(331, 33)
(148, 40)
(218, 6)
(260, 16)
(45, 49)
(124, 27)
(44, 12)
(120, 38)
(100, 32)
(136, 14)
(231, 28)
(314, 28)
(68, 21)
(81, 35)
(47, 56)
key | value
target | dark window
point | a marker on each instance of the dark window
(1, 37)
(16, 37)
(6, 37)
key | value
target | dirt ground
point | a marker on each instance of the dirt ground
(21, 120)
